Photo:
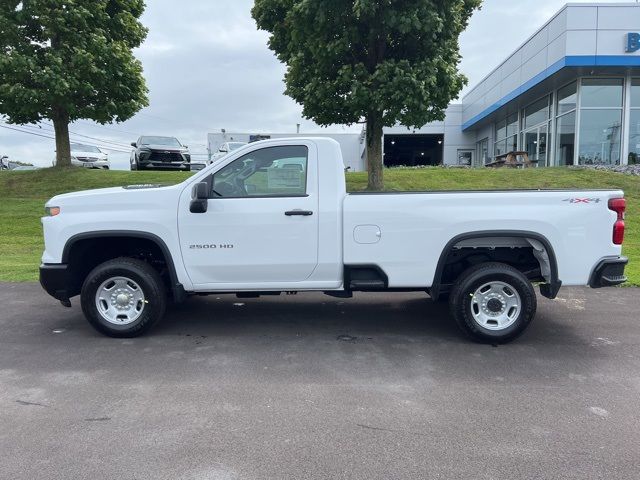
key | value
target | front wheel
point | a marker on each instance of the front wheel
(493, 302)
(123, 297)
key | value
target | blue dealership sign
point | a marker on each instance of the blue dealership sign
(633, 42)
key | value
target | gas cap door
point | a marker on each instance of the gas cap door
(367, 234)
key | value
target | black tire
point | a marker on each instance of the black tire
(149, 281)
(462, 303)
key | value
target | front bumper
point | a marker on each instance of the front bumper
(153, 165)
(164, 160)
(55, 279)
(100, 164)
(609, 272)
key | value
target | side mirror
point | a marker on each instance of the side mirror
(200, 198)
(223, 150)
(134, 144)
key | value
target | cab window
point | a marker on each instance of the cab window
(268, 172)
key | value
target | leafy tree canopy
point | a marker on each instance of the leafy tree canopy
(70, 59)
(386, 61)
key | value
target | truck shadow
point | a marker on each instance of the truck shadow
(410, 315)
(310, 313)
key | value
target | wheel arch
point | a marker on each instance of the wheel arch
(177, 290)
(549, 290)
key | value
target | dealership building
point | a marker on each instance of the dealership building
(569, 95)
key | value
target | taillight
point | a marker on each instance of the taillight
(618, 205)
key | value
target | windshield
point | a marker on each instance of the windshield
(79, 147)
(235, 145)
(167, 141)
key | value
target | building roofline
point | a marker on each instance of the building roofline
(567, 61)
(542, 27)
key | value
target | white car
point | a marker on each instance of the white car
(225, 149)
(89, 156)
(255, 224)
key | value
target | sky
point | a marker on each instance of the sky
(208, 67)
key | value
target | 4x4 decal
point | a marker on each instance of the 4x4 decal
(582, 200)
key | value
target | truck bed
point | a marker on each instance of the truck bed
(406, 232)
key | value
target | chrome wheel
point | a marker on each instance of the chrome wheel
(495, 305)
(120, 300)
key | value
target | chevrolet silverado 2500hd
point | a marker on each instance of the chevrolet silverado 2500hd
(274, 216)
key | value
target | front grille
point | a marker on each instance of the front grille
(88, 159)
(165, 157)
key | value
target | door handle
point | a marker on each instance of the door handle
(300, 213)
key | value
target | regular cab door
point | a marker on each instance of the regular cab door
(261, 224)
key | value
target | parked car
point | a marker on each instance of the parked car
(244, 226)
(4, 162)
(160, 153)
(227, 148)
(89, 156)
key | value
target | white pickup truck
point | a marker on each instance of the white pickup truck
(274, 216)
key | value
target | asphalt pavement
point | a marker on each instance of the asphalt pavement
(381, 386)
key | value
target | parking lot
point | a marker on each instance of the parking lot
(307, 386)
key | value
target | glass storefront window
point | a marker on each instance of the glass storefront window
(506, 135)
(635, 93)
(501, 130)
(501, 148)
(634, 137)
(535, 144)
(567, 98)
(601, 92)
(634, 123)
(565, 139)
(512, 125)
(482, 151)
(600, 136)
(537, 112)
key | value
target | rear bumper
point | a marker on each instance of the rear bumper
(54, 278)
(609, 272)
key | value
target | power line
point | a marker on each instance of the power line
(106, 147)
(26, 131)
(119, 144)
(71, 132)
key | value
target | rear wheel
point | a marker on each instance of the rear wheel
(493, 302)
(124, 297)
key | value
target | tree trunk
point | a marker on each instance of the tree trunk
(374, 152)
(63, 147)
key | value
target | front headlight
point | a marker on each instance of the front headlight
(52, 211)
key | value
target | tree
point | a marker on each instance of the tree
(381, 61)
(65, 60)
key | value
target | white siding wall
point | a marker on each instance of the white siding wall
(576, 30)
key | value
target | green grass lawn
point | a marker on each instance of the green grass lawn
(23, 196)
